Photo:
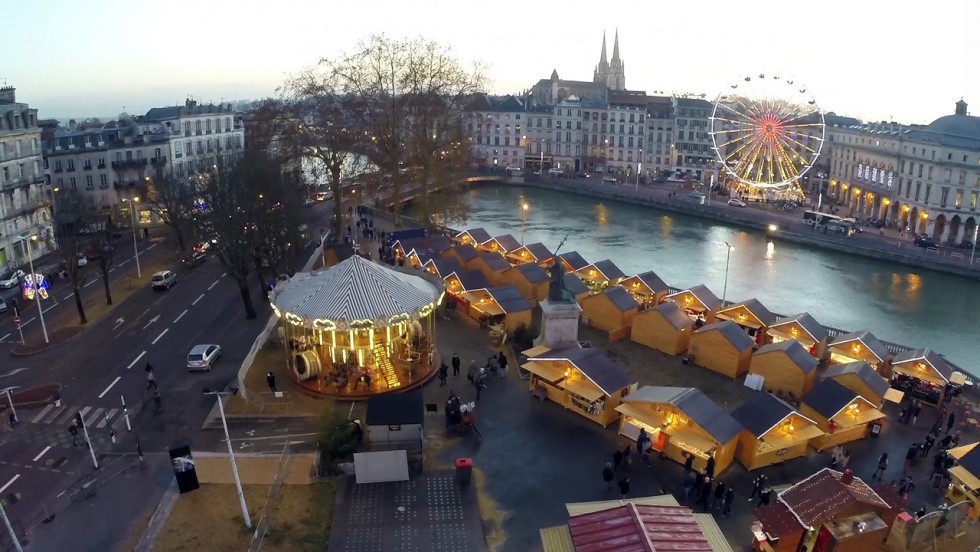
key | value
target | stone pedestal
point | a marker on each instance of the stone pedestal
(559, 325)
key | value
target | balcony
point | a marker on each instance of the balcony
(158, 161)
(129, 164)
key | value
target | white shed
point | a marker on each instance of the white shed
(394, 421)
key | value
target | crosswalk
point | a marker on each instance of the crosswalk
(62, 416)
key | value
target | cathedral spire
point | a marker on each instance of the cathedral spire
(602, 58)
(615, 57)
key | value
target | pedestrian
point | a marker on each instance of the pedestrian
(617, 459)
(641, 442)
(719, 498)
(705, 492)
(729, 498)
(151, 380)
(844, 459)
(608, 476)
(455, 363)
(882, 466)
(627, 456)
(472, 371)
(148, 367)
(765, 497)
(927, 445)
(624, 487)
(688, 462)
(502, 360)
(912, 453)
(950, 422)
(709, 469)
(270, 378)
(835, 456)
(73, 430)
(757, 486)
(494, 367)
(956, 440)
(690, 481)
(945, 442)
(916, 410)
(443, 374)
(480, 383)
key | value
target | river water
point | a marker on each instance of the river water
(916, 308)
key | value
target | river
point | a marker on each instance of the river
(896, 303)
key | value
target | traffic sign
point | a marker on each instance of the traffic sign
(17, 321)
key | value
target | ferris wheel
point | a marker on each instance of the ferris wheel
(767, 132)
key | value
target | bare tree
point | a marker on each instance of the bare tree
(171, 198)
(100, 249)
(71, 223)
(409, 97)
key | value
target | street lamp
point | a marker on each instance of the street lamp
(132, 211)
(728, 258)
(231, 455)
(523, 208)
(37, 295)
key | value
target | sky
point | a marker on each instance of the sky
(876, 60)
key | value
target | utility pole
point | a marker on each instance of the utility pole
(129, 427)
(10, 529)
(231, 455)
(81, 423)
(10, 401)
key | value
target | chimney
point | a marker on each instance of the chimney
(961, 107)
(8, 94)
(847, 477)
(72, 125)
(190, 103)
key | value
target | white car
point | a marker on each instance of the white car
(11, 279)
(610, 179)
(202, 357)
(512, 169)
(555, 172)
(736, 202)
(163, 280)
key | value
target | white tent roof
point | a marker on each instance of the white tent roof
(355, 290)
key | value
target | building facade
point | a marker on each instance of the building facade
(923, 179)
(23, 202)
(199, 134)
(692, 152)
(496, 130)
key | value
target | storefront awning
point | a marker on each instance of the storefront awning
(583, 388)
(971, 481)
(960, 452)
(958, 378)
(864, 416)
(548, 371)
(799, 435)
(535, 351)
(894, 395)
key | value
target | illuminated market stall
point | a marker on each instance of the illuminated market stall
(698, 302)
(600, 275)
(530, 279)
(786, 367)
(465, 255)
(358, 328)
(582, 380)
(858, 346)
(722, 347)
(573, 261)
(441, 267)
(752, 316)
(424, 247)
(922, 374)
(493, 266)
(681, 420)
(501, 244)
(861, 378)
(841, 414)
(647, 288)
(965, 477)
(535, 253)
(665, 328)
(459, 282)
(803, 329)
(773, 432)
(499, 306)
(611, 311)
(473, 237)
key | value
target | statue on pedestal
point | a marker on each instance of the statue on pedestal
(557, 291)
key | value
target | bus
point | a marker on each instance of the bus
(816, 218)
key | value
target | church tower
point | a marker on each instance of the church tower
(601, 74)
(616, 79)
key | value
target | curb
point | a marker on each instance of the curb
(159, 518)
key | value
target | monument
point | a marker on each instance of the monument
(559, 312)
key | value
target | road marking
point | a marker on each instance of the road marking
(135, 360)
(29, 321)
(69, 296)
(49, 308)
(60, 417)
(199, 297)
(154, 342)
(181, 316)
(223, 274)
(96, 414)
(212, 285)
(115, 381)
(111, 269)
(40, 454)
(43, 413)
(4, 338)
(9, 483)
(105, 419)
(152, 320)
(90, 282)
(151, 247)
(124, 262)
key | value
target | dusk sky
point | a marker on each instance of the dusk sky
(873, 60)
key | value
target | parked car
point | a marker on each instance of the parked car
(553, 171)
(202, 357)
(193, 259)
(925, 241)
(3, 305)
(609, 179)
(536, 173)
(163, 280)
(11, 279)
(512, 169)
(308, 202)
(323, 196)
(202, 247)
(736, 202)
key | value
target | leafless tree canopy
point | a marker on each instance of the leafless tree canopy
(172, 200)
(72, 223)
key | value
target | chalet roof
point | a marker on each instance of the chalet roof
(621, 299)
(576, 261)
(674, 315)
(704, 295)
(472, 280)
(395, 409)
(532, 273)
(695, 405)
(466, 252)
(509, 299)
(574, 284)
(732, 332)
(608, 269)
(635, 527)
(867, 339)
(971, 461)
(506, 242)
(756, 308)
(539, 251)
(804, 320)
(792, 349)
(828, 398)
(928, 356)
(821, 496)
(601, 371)
(495, 261)
(444, 266)
(652, 281)
(763, 412)
(478, 235)
(864, 372)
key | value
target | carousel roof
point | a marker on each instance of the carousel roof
(356, 290)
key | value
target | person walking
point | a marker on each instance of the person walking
(719, 497)
(690, 481)
(765, 497)
(688, 462)
(472, 371)
(270, 378)
(73, 430)
(950, 422)
(757, 486)
(627, 457)
(844, 459)
(455, 363)
(502, 360)
(617, 459)
(927, 446)
(910, 456)
(641, 442)
(624, 487)
(151, 380)
(608, 476)
(882, 466)
(443, 374)
(705, 492)
(480, 383)
(916, 410)
(494, 367)
(710, 467)
(729, 498)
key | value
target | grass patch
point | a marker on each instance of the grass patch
(272, 358)
(301, 521)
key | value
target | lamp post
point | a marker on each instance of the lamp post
(974, 252)
(231, 455)
(728, 258)
(136, 252)
(523, 208)
(37, 296)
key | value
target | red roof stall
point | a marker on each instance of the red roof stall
(633, 527)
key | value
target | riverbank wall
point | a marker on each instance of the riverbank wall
(948, 262)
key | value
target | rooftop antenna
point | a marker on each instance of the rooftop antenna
(3, 81)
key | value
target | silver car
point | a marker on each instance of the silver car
(163, 280)
(202, 357)
(11, 279)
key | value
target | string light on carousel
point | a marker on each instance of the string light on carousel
(358, 328)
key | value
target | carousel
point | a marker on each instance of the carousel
(358, 328)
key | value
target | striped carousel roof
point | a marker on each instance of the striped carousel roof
(354, 290)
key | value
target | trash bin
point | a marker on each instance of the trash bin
(464, 470)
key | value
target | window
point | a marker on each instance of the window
(89, 183)
(943, 197)
(57, 166)
(88, 165)
(178, 150)
(187, 128)
(188, 147)
(71, 183)
(227, 124)
(918, 189)
(71, 165)
(197, 126)
(103, 181)
(958, 203)
(973, 200)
